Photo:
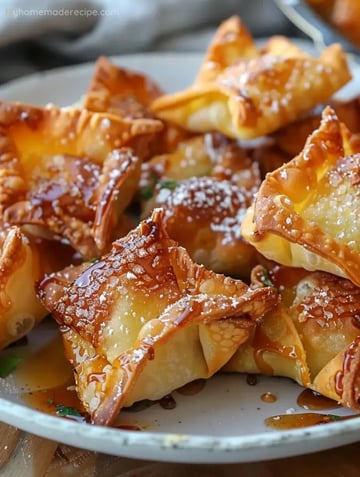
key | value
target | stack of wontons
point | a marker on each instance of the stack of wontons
(168, 247)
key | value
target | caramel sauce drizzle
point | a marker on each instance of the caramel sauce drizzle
(47, 400)
(46, 369)
(46, 380)
(297, 421)
(309, 399)
(268, 397)
(262, 344)
(348, 357)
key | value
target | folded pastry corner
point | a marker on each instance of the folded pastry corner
(145, 320)
(340, 378)
(71, 173)
(120, 91)
(275, 347)
(250, 93)
(20, 269)
(305, 212)
(231, 41)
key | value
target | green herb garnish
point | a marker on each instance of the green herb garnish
(7, 364)
(92, 260)
(147, 193)
(265, 278)
(168, 184)
(64, 411)
(333, 417)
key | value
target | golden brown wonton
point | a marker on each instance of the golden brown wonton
(145, 319)
(253, 92)
(312, 336)
(232, 41)
(345, 17)
(210, 154)
(20, 269)
(70, 173)
(119, 91)
(204, 215)
(306, 212)
(291, 139)
(129, 94)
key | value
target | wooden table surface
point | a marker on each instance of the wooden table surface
(25, 455)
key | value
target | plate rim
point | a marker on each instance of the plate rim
(151, 55)
(180, 441)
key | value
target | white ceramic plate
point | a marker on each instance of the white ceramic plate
(222, 423)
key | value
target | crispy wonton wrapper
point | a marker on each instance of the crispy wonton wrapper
(210, 154)
(69, 173)
(119, 91)
(312, 336)
(23, 262)
(291, 139)
(145, 320)
(306, 212)
(204, 215)
(250, 92)
(20, 269)
(129, 94)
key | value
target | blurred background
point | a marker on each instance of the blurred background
(45, 34)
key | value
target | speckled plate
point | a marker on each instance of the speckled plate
(224, 422)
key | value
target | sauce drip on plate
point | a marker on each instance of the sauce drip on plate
(167, 402)
(268, 397)
(314, 401)
(48, 368)
(297, 421)
(251, 379)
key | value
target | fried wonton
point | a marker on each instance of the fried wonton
(20, 269)
(145, 319)
(348, 112)
(120, 91)
(345, 17)
(309, 336)
(204, 215)
(129, 94)
(291, 139)
(68, 172)
(323, 7)
(306, 212)
(254, 95)
(340, 378)
(210, 154)
(232, 41)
